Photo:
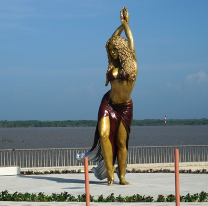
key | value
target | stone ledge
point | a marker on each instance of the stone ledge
(42, 169)
(10, 170)
(182, 165)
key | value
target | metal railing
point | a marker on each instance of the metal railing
(59, 157)
(165, 154)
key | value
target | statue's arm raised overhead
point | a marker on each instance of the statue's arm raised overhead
(124, 26)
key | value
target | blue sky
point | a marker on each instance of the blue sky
(53, 59)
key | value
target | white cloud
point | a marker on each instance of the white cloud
(15, 15)
(171, 86)
(199, 78)
(17, 10)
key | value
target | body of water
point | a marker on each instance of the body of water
(79, 137)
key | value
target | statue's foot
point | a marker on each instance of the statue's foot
(111, 176)
(123, 182)
(110, 181)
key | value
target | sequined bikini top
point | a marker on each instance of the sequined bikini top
(120, 75)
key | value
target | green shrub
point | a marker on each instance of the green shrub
(160, 198)
(170, 198)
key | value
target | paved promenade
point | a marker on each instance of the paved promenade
(146, 184)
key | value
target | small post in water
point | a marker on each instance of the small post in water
(177, 186)
(87, 190)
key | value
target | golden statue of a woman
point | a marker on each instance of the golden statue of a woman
(116, 109)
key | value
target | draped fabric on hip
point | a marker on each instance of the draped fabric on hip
(117, 113)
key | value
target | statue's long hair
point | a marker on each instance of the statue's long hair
(125, 56)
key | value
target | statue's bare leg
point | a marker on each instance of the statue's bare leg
(104, 131)
(122, 153)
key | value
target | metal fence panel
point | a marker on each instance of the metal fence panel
(58, 157)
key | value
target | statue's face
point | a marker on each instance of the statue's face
(113, 51)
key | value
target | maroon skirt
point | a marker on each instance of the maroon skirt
(117, 113)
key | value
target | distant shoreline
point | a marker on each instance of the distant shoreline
(93, 123)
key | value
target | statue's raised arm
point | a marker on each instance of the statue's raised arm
(124, 15)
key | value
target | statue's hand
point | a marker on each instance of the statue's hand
(124, 15)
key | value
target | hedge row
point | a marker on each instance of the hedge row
(30, 172)
(65, 197)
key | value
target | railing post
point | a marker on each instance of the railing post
(87, 190)
(177, 187)
(70, 158)
(13, 157)
(20, 159)
(73, 158)
(47, 151)
(207, 154)
(32, 163)
(146, 156)
(4, 158)
(23, 159)
(128, 156)
(44, 160)
(10, 159)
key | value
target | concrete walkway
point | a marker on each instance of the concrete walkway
(146, 184)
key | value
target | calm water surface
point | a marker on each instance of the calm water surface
(79, 137)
